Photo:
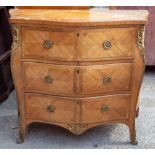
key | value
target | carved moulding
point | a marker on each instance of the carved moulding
(77, 129)
(140, 41)
(15, 33)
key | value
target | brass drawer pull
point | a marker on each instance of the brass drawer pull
(51, 108)
(48, 44)
(107, 45)
(48, 79)
(104, 108)
(107, 80)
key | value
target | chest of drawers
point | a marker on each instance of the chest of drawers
(78, 69)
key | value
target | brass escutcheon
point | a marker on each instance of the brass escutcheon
(104, 108)
(48, 79)
(48, 44)
(107, 80)
(106, 45)
(51, 108)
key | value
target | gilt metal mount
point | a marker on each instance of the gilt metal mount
(140, 41)
(15, 33)
(77, 129)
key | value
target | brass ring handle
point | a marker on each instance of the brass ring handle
(107, 80)
(48, 44)
(104, 108)
(48, 79)
(106, 45)
(51, 108)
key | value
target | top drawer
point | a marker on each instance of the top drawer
(82, 45)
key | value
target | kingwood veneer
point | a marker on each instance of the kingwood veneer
(78, 69)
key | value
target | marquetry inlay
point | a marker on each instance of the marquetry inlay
(77, 68)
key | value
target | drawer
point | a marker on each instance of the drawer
(48, 78)
(79, 45)
(48, 45)
(48, 108)
(108, 108)
(106, 44)
(106, 78)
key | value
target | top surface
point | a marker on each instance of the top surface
(78, 17)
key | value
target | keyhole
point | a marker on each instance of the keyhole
(77, 34)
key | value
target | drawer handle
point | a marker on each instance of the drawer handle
(104, 108)
(51, 108)
(107, 45)
(48, 44)
(107, 80)
(48, 79)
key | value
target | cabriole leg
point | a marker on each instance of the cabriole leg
(133, 134)
(21, 136)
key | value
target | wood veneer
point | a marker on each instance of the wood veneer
(78, 69)
(55, 7)
(79, 45)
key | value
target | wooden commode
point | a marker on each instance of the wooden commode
(78, 68)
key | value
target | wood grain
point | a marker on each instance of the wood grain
(35, 78)
(91, 44)
(55, 7)
(87, 85)
(93, 78)
(63, 48)
(79, 45)
(77, 17)
(118, 108)
(37, 108)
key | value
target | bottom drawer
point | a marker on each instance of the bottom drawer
(107, 108)
(48, 108)
(66, 110)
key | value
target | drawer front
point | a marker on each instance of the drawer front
(48, 45)
(48, 78)
(108, 108)
(106, 78)
(79, 45)
(48, 108)
(105, 44)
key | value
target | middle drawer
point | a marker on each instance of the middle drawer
(48, 78)
(77, 80)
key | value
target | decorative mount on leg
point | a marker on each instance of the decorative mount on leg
(133, 138)
(77, 129)
(15, 33)
(20, 138)
(140, 41)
